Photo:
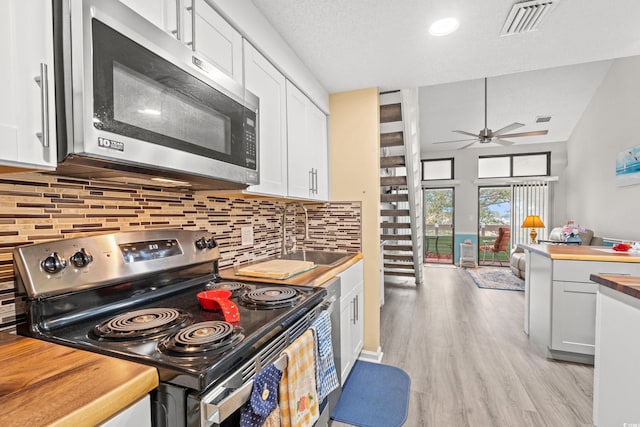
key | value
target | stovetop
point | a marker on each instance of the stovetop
(200, 369)
(61, 308)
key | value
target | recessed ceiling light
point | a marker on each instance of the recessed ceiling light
(444, 26)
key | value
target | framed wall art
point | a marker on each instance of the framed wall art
(628, 167)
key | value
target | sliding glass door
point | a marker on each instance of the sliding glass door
(438, 225)
(494, 225)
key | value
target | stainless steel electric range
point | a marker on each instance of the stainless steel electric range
(136, 295)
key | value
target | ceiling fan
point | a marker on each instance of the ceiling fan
(487, 135)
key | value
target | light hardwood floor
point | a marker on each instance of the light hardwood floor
(469, 361)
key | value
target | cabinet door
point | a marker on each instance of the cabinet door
(161, 13)
(317, 135)
(351, 317)
(345, 357)
(307, 147)
(27, 105)
(265, 81)
(573, 323)
(299, 162)
(357, 331)
(214, 38)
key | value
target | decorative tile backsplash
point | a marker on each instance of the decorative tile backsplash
(39, 207)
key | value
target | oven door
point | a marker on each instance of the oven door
(220, 405)
(144, 98)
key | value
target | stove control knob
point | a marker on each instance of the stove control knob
(201, 243)
(211, 243)
(81, 258)
(53, 263)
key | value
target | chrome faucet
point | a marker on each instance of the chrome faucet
(286, 246)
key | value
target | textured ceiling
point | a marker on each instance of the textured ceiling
(352, 44)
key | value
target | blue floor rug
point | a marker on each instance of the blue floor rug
(374, 395)
(495, 278)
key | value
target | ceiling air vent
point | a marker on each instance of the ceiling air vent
(526, 16)
(543, 119)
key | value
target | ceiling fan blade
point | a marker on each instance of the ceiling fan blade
(508, 128)
(466, 133)
(532, 133)
(503, 142)
(455, 140)
(467, 145)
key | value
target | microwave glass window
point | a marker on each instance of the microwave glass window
(145, 103)
(143, 96)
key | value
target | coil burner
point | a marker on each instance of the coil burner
(145, 323)
(236, 288)
(270, 298)
(213, 336)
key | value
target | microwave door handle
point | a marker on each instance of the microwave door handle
(43, 81)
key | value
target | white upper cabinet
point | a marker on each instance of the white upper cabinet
(317, 136)
(199, 26)
(307, 147)
(214, 38)
(162, 13)
(265, 81)
(27, 104)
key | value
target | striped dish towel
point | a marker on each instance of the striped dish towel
(298, 395)
(326, 375)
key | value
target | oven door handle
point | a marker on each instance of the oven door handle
(218, 412)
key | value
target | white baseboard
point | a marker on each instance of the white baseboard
(371, 356)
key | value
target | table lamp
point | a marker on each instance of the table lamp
(533, 222)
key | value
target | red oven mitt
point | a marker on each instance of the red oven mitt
(264, 397)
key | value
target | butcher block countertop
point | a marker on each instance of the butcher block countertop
(629, 285)
(582, 253)
(43, 384)
(314, 277)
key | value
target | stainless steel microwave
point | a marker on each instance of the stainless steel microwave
(135, 104)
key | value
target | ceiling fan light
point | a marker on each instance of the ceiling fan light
(444, 26)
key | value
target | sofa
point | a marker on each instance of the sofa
(517, 260)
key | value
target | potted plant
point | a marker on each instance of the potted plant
(571, 233)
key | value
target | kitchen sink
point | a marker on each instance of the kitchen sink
(317, 257)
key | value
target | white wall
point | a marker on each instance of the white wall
(466, 171)
(610, 124)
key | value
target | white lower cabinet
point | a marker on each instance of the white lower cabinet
(573, 317)
(138, 414)
(27, 105)
(560, 303)
(351, 318)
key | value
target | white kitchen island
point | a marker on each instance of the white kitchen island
(560, 298)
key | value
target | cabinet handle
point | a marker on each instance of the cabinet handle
(193, 25)
(355, 311)
(43, 81)
(178, 30)
(315, 180)
(357, 308)
(311, 181)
